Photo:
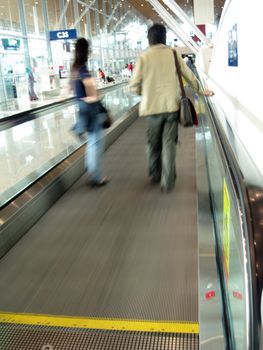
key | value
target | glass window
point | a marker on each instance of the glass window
(34, 17)
(9, 15)
(82, 21)
(92, 22)
(53, 14)
(70, 21)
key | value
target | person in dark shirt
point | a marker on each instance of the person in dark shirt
(91, 117)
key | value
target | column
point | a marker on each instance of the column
(88, 26)
(76, 16)
(63, 22)
(21, 9)
(98, 32)
(204, 11)
(45, 16)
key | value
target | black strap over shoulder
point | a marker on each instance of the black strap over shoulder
(179, 73)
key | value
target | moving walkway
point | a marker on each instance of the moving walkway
(125, 266)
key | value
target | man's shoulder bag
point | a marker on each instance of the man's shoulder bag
(188, 116)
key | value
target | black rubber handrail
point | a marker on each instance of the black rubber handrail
(27, 115)
(35, 110)
(82, 145)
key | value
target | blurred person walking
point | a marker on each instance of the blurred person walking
(51, 77)
(91, 116)
(101, 75)
(155, 79)
(31, 83)
(130, 68)
(125, 72)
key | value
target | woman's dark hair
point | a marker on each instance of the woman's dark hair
(157, 34)
(81, 53)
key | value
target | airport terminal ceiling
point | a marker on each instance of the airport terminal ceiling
(146, 9)
(8, 11)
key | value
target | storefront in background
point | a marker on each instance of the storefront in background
(25, 45)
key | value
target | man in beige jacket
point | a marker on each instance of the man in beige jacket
(155, 79)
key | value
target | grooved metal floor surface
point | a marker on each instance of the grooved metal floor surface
(122, 251)
(47, 338)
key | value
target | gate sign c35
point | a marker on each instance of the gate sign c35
(63, 34)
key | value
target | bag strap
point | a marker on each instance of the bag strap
(179, 73)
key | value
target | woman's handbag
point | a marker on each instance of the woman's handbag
(107, 121)
(188, 116)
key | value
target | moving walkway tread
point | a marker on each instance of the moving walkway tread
(47, 338)
(125, 251)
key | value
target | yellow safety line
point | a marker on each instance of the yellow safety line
(100, 323)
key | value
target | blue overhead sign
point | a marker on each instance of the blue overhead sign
(63, 34)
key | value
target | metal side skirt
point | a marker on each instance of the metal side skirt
(210, 313)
